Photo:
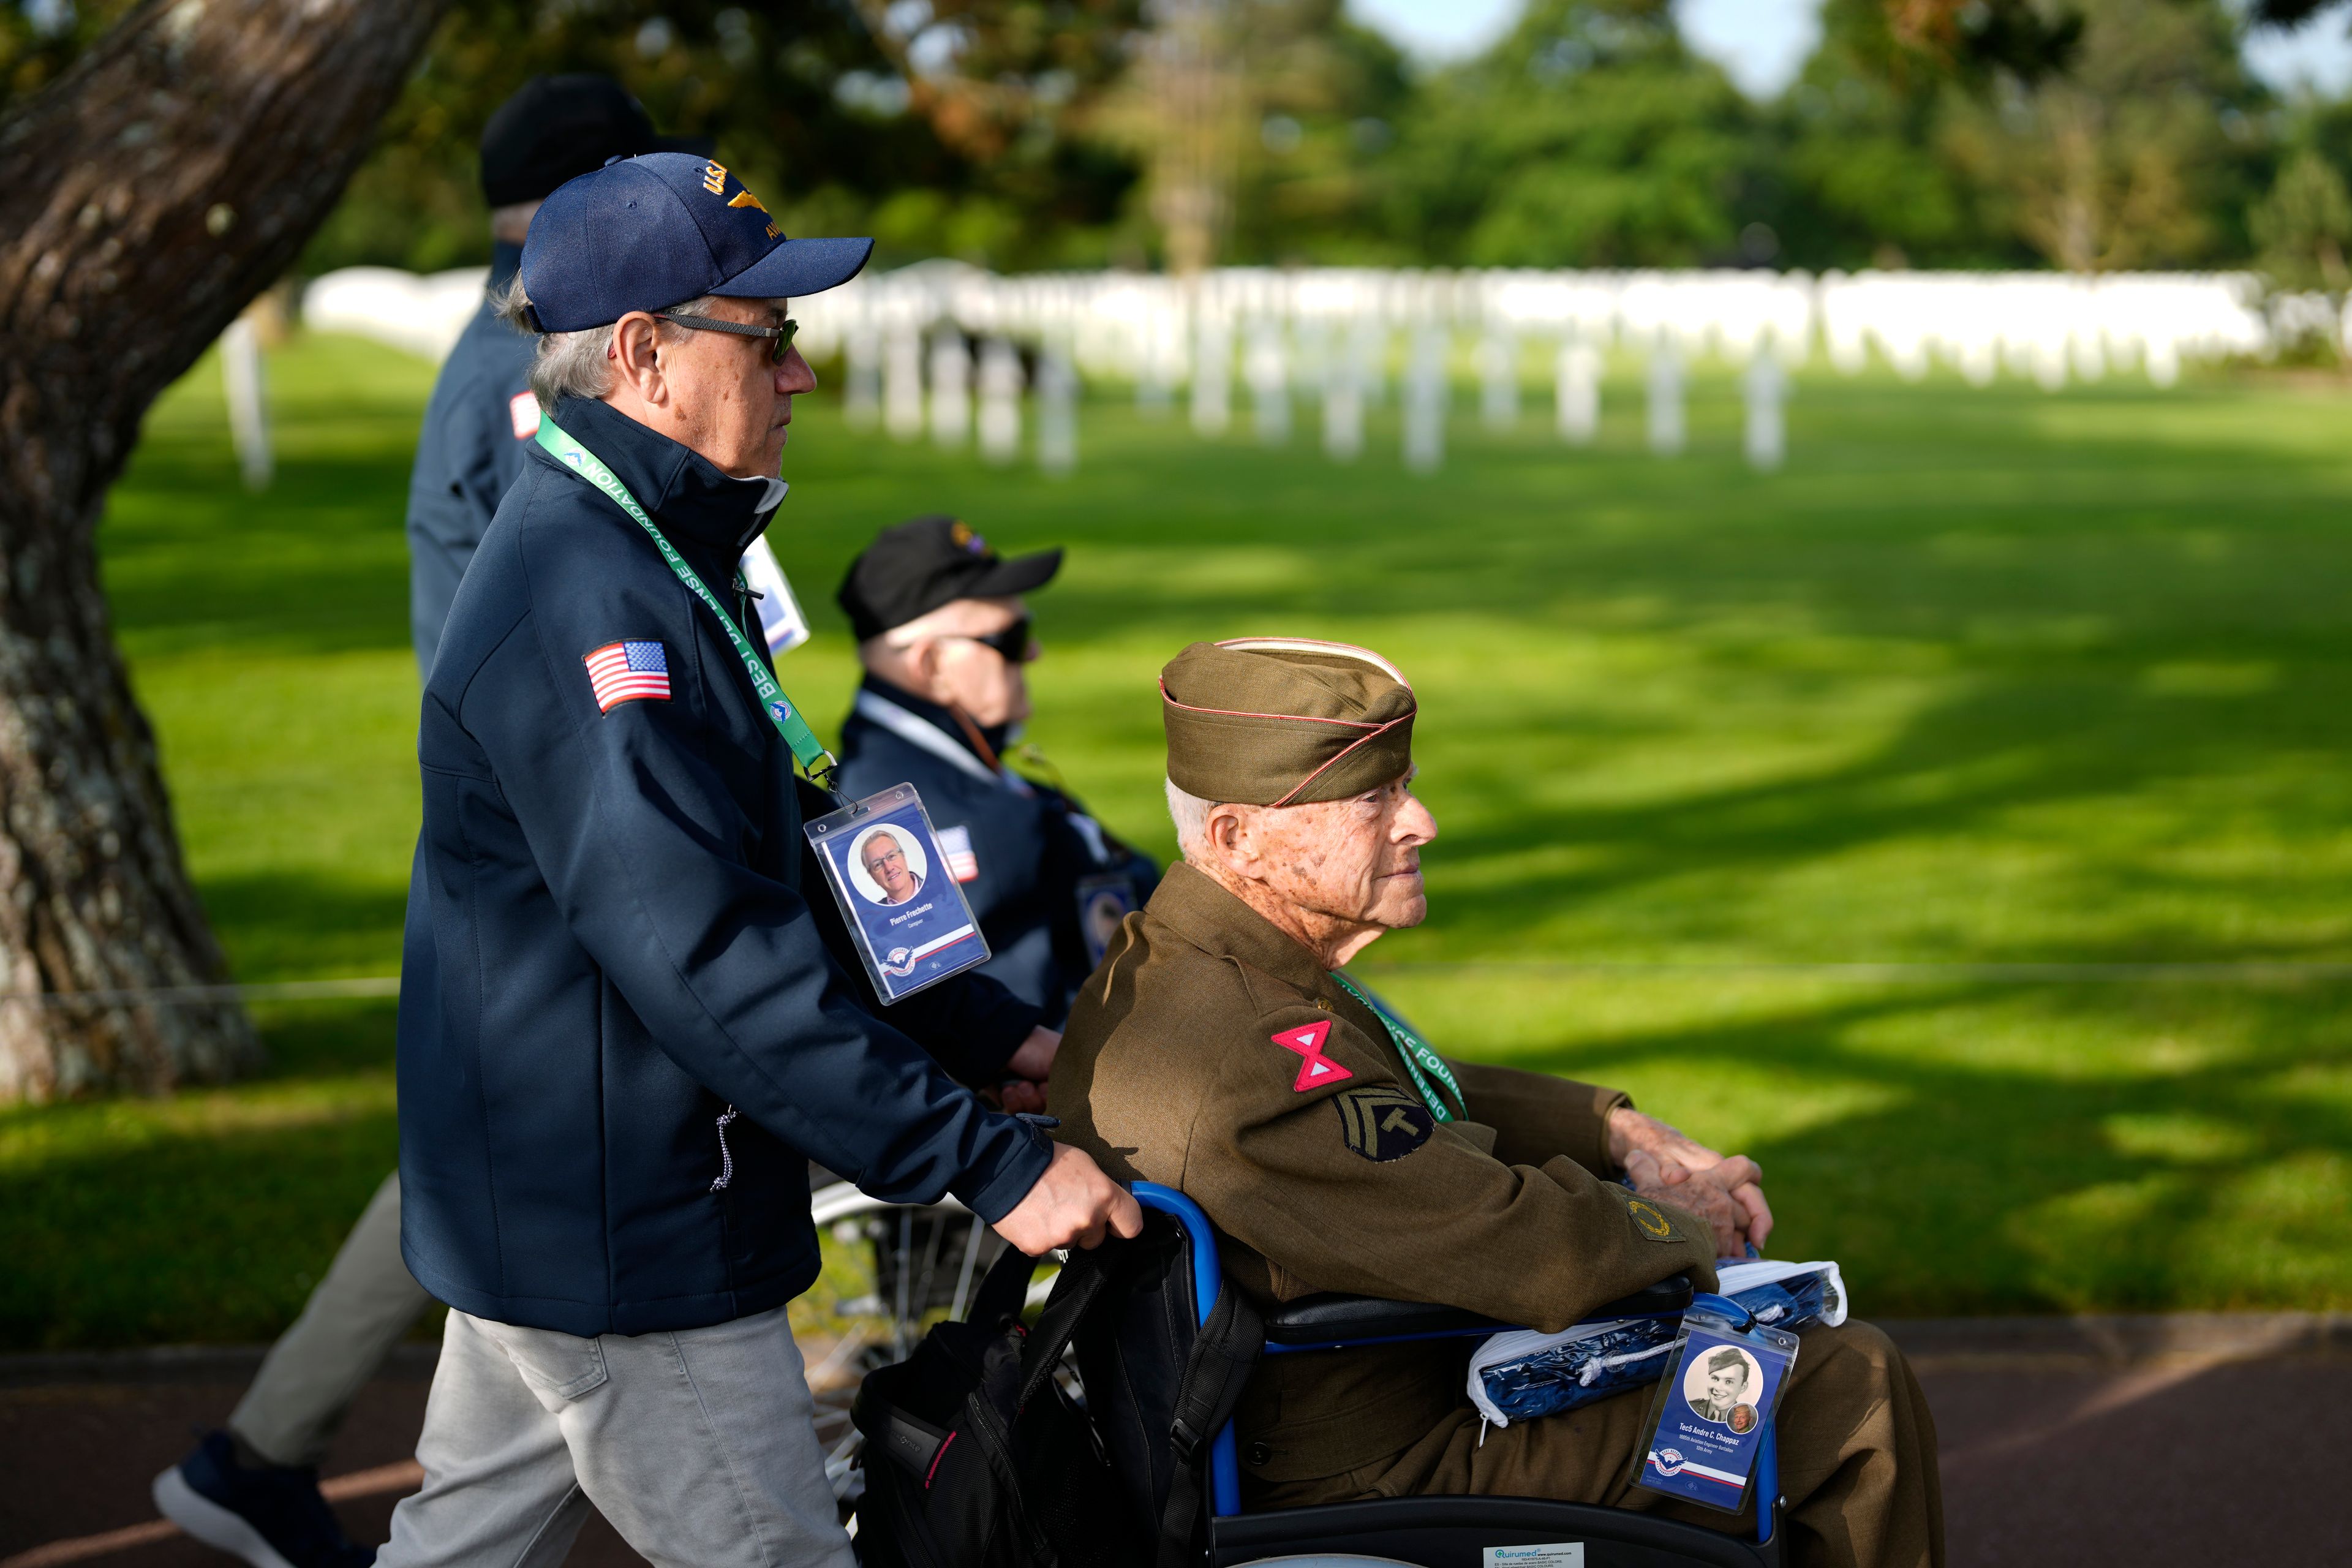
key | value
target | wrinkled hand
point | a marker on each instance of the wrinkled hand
(1026, 1070)
(1072, 1205)
(1663, 1164)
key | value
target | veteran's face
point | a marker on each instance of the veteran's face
(886, 862)
(975, 676)
(727, 397)
(1356, 860)
(1724, 1384)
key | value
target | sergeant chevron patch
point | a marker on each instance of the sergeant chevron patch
(1382, 1124)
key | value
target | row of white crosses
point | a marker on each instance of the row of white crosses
(1338, 335)
(1334, 334)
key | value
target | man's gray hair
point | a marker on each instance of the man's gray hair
(1190, 813)
(573, 365)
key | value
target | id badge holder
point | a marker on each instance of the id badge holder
(1103, 902)
(1709, 1417)
(891, 880)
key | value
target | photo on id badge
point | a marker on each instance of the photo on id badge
(890, 878)
(1722, 1386)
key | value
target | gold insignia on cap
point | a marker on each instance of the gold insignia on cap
(714, 180)
(959, 533)
(745, 198)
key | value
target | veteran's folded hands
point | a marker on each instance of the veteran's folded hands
(1663, 1163)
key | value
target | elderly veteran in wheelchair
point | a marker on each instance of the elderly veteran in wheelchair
(1222, 1050)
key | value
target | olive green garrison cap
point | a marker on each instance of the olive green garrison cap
(1284, 721)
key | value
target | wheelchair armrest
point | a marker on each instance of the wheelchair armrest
(1330, 1319)
(1669, 1294)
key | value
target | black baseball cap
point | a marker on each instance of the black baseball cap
(557, 128)
(650, 232)
(914, 568)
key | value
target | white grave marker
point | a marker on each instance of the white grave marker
(1000, 401)
(1666, 433)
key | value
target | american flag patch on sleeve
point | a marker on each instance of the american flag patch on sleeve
(955, 843)
(625, 672)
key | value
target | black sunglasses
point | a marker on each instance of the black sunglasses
(782, 335)
(1012, 644)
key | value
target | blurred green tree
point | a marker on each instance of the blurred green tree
(2139, 154)
(1590, 136)
(1864, 180)
(942, 127)
(2303, 224)
(1255, 123)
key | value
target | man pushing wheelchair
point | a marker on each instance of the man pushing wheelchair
(1222, 1050)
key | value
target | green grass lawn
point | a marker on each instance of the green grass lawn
(1986, 677)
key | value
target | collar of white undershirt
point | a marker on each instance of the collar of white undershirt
(876, 709)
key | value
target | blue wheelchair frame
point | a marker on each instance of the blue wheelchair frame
(1225, 1463)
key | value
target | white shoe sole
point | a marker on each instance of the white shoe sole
(209, 1523)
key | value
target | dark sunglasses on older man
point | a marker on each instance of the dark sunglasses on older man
(782, 335)
(1012, 644)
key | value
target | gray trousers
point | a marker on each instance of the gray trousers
(698, 1445)
(347, 1329)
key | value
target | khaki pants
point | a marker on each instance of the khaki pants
(698, 1445)
(348, 1327)
(1857, 1460)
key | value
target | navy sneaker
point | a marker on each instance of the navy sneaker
(272, 1516)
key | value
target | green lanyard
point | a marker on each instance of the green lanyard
(1417, 1055)
(806, 749)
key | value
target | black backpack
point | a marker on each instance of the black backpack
(975, 1458)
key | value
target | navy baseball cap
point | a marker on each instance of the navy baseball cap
(650, 232)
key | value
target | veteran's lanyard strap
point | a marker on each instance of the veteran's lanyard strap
(1422, 1063)
(806, 749)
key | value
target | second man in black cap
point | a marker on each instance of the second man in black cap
(945, 637)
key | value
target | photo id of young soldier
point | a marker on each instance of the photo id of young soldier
(1711, 1409)
(891, 880)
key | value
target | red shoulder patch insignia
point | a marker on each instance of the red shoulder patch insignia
(1316, 1069)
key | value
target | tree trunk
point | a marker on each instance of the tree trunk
(171, 176)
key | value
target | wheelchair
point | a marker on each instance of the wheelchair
(1132, 1355)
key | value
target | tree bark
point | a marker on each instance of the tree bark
(159, 185)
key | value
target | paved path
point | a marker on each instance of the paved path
(2147, 1442)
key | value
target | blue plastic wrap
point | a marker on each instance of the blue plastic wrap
(1521, 1376)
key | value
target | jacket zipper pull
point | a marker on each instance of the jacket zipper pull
(726, 1159)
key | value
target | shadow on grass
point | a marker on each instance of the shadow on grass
(1973, 767)
(296, 925)
(204, 1218)
(1976, 1184)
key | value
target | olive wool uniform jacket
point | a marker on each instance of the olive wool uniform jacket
(1211, 1053)
(608, 946)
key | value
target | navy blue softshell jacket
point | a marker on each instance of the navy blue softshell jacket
(607, 945)
(466, 455)
(471, 450)
(1030, 843)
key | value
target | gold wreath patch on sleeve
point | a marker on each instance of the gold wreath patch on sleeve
(1381, 1123)
(1651, 1220)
